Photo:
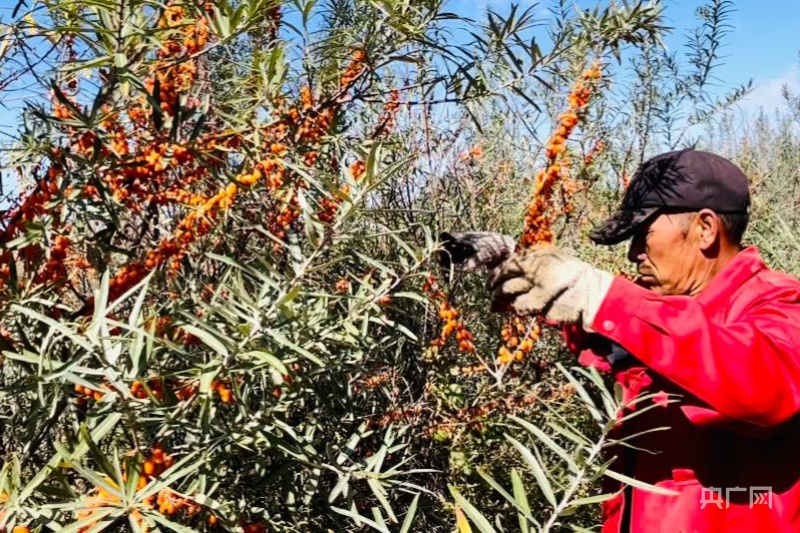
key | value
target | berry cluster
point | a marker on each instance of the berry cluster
(450, 316)
(518, 338)
(538, 220)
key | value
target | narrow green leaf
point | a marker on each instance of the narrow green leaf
(59, 327)
(511, 499)
(550, 443)
(97, 521)
(411, 296)
(640, 484)
(571, 435)
(376, 514)
(587, 400)
(341, 487)
(207, 338)
(161, 519)
(100, 431)
(410, 515)
(536, 468)
(99, 481)
(600, 498)
(477, 518)
(96, 454)
(380, 494)
(266, 358)
(360, 518)
(521, 497)
(281, 339)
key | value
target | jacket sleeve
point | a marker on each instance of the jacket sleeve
(747, 369)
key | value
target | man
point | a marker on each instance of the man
(706, 320)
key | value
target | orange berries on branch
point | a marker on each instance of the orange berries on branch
(155, 463)
(354, 70)
(374, 381)
(86, 393)
(155, 387)
(473, 154)
(329, 207)
(97, 499)
(597, 149)
(388, 117)
(342, 286)
(539, 217)
(357, 169)
(450, 316)
(32, 206)
(224, 391)
(518, 340)
(400, 414)
(170, 502)
(472, 418)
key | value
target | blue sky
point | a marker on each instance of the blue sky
(763, 42)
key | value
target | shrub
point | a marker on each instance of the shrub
(220, 309)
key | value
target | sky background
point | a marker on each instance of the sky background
(763, 42)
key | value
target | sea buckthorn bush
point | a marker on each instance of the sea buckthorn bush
(221, 308)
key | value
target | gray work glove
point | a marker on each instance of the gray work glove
(547, 280)
(472, 250)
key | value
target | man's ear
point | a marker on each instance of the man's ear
(708, 228)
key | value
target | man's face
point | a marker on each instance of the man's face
(664, 254)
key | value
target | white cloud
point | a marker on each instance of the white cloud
(768, 95)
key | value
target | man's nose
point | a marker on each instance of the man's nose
(636, 248)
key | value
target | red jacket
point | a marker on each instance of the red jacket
(733, 354)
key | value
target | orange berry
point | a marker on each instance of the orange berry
(526, 345)
(149, 468)
(466, 346)
(225, 395)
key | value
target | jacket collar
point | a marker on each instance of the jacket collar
(741, 268)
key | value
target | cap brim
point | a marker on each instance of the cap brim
(621, 225)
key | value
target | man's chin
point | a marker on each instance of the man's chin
(648, 282)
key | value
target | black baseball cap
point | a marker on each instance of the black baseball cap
(683, 180)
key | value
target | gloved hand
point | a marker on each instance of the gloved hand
(472, 250)
(552, 282)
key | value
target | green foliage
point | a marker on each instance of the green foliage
(579, 461)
